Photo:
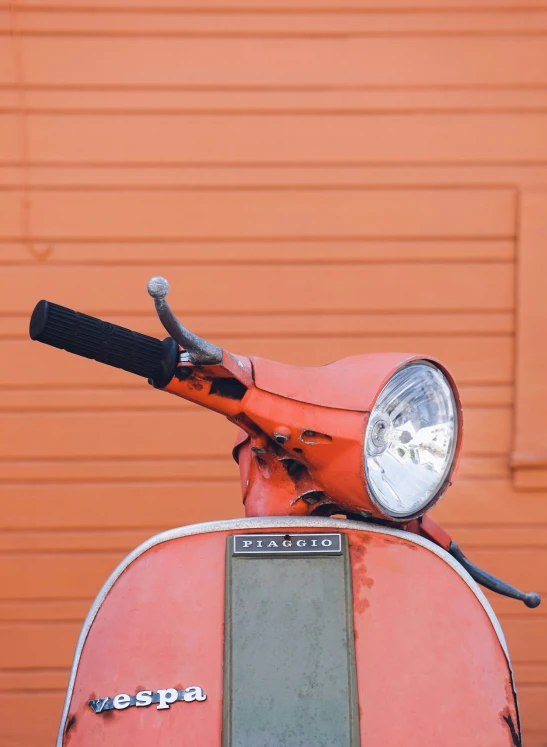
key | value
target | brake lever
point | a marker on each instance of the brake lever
(197, 350)
(530, 599)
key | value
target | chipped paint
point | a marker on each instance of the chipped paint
(71, 721)
(507, 719)
(360, 580)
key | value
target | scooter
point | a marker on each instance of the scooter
(337, 613)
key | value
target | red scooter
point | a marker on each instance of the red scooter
(337, 613)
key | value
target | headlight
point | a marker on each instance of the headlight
(410, 440)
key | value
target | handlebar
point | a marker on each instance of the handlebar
(104, 342)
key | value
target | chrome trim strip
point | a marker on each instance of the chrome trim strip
(265, 523)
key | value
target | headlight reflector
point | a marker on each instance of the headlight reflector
(410, 440)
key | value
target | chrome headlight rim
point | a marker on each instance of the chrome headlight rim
(454, 454)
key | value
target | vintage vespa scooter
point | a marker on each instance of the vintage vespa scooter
(294, 627)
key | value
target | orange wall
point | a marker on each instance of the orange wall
(314, 184)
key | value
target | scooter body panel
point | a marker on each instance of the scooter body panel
(426, 661)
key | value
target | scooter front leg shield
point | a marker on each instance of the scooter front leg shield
(290, 631)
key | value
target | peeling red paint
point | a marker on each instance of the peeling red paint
(385, 539)
(361, 582)
(509, 716)
(512, 727)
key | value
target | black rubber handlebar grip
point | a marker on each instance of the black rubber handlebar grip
(104, 342)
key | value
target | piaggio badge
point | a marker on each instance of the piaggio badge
(287, 544)
(164, 699)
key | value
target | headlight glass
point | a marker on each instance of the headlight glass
(410, 440)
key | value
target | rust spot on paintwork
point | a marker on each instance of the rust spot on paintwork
(360, 605)
(195, 383)
(507, 719)
(361, 540)
(509, 716)
(69, 725)
(361, 581)
(386, 539)
(92, 695)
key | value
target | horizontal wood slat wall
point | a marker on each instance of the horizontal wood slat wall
(316, 180)
(283, 213)
(401, 60)
(275, 137)
(529, 456)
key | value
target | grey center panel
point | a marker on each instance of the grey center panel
(289, 666)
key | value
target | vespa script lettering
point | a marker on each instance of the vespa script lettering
(163, 698)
